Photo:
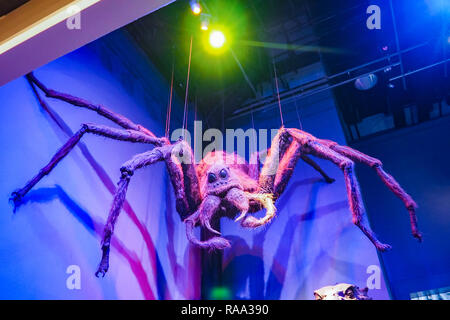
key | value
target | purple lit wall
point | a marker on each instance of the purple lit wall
(62, 220)
(312, 243)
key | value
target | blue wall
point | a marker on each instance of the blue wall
(312, 242)
(64, 214)
(418, 157)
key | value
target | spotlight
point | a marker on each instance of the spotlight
(217, 39)
(195, 7)
(204, 21)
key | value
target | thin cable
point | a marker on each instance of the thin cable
(298, 115)
(186, 118)
(195, 131)
(278, 92)
(255, 141)
(187, 90)
(169, 107)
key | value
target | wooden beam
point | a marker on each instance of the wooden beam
(29, 15)
(30, 50)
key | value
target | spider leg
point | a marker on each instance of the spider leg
(387, 179)
(101, 110)
(117, 134)
(190, 179)
(254, 165)
(284, 170)
(353, 192)
(127, 170)
(287, 166)
(277, 171)
(281, 161)
(183, 176)
(176, 177)
(313, 164)
(280, 144)
(202, 216)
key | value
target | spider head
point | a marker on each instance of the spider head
(219, 179)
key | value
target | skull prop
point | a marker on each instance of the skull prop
(341, 291)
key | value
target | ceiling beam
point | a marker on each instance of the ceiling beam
(22, 19)
(55, 40)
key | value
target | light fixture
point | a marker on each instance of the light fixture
(366, 82)
(204, 21)
(44, 24)
(217, 39)
(195, 7)
(204, 25)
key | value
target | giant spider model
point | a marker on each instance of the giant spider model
(218, 187)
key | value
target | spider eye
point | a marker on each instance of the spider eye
(223, 173)
(211, 177)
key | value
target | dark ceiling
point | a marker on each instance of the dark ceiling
(216, 79)
(349, 49)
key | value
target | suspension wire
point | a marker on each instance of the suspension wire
(278, 92)
(255, 140)
(187, 91)
(195, 131)
(298, 115)
(223, 113)
(186, 118)
(169, 107)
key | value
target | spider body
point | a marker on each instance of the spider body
(221, 185)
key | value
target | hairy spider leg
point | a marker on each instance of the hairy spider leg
(167, 153)
(127, 170)
(313, 164)
(278, 168)
(312, 146)
(284, 153)
(387, 179)
(78, 102)
(182, 176)
(280, 144)
(202, 216)
(112, 133)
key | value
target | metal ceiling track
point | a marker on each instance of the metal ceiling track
(322, 84)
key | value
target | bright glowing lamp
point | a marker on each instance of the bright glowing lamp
(204, 21)
(204, 25)
(196, 8)
(217, 39)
